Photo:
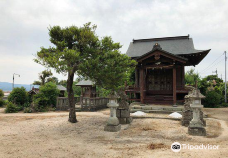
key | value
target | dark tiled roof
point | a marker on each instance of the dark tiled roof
(85, 83)
(180, 45)
(61, 88)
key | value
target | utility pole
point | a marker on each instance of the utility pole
(13, 80)
(225, 77)
(215, 72)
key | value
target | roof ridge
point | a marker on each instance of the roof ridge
(162, 38)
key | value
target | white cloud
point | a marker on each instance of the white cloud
(23, 28)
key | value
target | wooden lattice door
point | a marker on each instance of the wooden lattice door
(159, 79)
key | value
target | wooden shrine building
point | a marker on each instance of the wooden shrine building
(88, 89)
(159, 75)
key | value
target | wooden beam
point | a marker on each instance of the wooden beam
(142, 83)
(174, 86)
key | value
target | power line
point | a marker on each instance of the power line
(212, 63)
(211, 66)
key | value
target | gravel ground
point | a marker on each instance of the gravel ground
(50, 135)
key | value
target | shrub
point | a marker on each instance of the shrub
(46, 97)
(224, 105)
(1, 93)
(28, 110)
(212, 100)
(11, 108)
(2, 102)
(18, 96)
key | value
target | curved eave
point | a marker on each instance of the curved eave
(178, 58)
(195, 58)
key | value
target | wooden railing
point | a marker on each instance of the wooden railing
(87, 104)
(63, 104)
(92, 104)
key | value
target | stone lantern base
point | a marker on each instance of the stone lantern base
(197, 131)
(123, 115)
(112, 128)
(187, 117)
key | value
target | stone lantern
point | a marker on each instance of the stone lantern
(113, 124)
(196, 126)
(123, 111)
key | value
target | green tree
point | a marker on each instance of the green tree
(37, 83)
(44, 77)
(53, 79)
(212, 100)
(211, 82)
(1, 93)
(111, 69)
(73, 46)
(76, 48)
(191, 77)
(46, 96)
(18, 96)
(63, 83)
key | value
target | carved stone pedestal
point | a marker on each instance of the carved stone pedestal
(187, 117)
(196, 126)
(197, 131)
(124, 116)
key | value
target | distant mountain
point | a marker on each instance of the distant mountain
(6, 86)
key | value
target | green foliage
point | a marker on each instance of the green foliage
(1, 93)
(11, 108)
(46, 96)
(45, 76)
(2, 102)
(53, 79)
(191, 77)
(131, 77)
(76, 89)
(77, 47)
(103, 92)
(211, 82)
(18, 96)
(224, 105)
(212, 100)
(110, 69)
(63, 83)
(28, 110)
(73, 45)
(37, 83)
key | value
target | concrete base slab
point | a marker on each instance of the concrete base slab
(110, 128)
(197, 131)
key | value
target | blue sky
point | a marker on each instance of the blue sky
(24, 24)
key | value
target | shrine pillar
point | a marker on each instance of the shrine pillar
(142, 85)
(174, 86)
(136, 78)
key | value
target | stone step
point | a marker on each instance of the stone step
(155, 111)
(157, 108)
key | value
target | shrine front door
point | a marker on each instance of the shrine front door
(159, 81)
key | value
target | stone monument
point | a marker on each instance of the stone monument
(187, 114)
(196, 125)
(123, 111)
(113, 122)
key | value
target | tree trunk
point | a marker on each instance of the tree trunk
(72, 114)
